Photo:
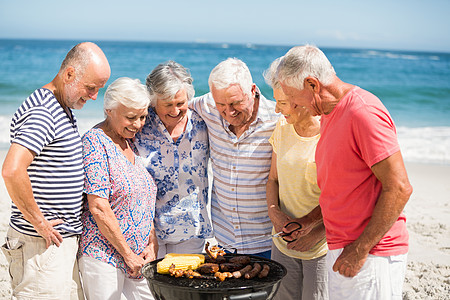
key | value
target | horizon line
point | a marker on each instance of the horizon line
(247, 44)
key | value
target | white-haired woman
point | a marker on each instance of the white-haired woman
(174, 144)
(118, 235)
(293, 193)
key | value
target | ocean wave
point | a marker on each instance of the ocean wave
(420, 144)
(393, 55)
(425, 144)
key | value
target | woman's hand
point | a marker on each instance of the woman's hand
(150, 252)
(134, 263)
(308, 223)
(278, 219)
(306, 242)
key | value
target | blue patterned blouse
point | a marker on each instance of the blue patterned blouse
(180, 170)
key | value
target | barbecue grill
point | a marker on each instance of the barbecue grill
(165, 287)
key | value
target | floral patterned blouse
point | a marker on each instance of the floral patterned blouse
(130, 190)
(180, 170)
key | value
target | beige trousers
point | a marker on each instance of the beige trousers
(40, 273)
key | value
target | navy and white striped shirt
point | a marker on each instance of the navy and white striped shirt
(56, 173)
(240, 170)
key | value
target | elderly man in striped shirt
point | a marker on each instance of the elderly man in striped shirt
(240, 121)
(43, 173)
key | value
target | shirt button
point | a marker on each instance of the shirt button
(234, 208)
(232, 189)
(237, 227)
(234, 168)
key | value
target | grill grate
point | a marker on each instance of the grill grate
(277, 272)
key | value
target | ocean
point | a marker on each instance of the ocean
(414, 86)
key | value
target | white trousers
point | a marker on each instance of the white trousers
(192, 246)
(381, 277)
(101, 281)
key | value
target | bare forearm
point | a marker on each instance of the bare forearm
(272, 197)
(109, 227)
(394, 195)
(276, 215)
(314, 217)
(386, 212)
(19, 189)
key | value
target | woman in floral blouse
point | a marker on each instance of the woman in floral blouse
(174, 145)
(118, 237)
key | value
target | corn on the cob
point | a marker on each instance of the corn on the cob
(200, 256)
(181, 262)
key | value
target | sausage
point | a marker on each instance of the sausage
(243, 260)
(219, 260)
(208, 268)
(254, 271)
(264, 272)
(230, 267)
(241, 272)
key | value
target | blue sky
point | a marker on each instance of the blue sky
(394, 24)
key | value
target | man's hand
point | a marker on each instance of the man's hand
(351, 260)
(48, 232)
(394, 195)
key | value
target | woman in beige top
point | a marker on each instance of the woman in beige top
(292, 194)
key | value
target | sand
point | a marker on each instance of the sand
(428, 221)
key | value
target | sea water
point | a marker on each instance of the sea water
(414, 86)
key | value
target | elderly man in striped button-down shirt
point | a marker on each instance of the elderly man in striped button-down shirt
(240, 121)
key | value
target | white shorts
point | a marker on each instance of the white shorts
(102, 281)
(40, 273)
(381, 277)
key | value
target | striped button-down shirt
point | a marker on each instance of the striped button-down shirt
(240, 171)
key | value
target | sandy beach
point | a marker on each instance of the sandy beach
(427, 212)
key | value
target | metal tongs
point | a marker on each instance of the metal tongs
(291, 227)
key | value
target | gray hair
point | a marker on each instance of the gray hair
(128, 92)
(231, 71)
(78, 57)
(271, 76)
(167, 79)
(303, 61)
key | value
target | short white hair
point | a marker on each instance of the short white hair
(304, 61)
(128, 92)
(167, 79)
(231, 71)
